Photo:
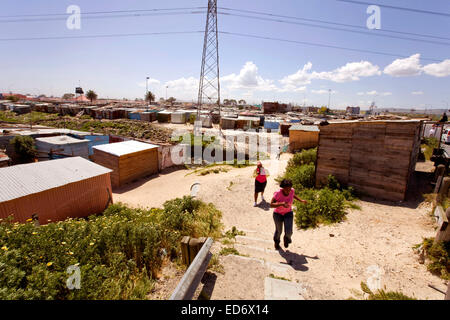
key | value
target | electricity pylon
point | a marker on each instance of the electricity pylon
(209, 86)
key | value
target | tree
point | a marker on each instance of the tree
(91, 95)
(24, 147)
(324, 110)
(242, 101)
(171, 100)
(233, 102)
(12, 98)
(68, 96)
(226, 102)
(149, 97)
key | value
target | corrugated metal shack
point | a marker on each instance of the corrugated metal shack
(377, 158)
(129, 160)
(164, 116)
(178, 117)
(228, 123)
(55, 190)
(303, 137)
(61, 147)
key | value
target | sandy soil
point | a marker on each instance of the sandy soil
(329, 262)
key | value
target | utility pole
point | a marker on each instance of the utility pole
(329, 98)
(209, 86)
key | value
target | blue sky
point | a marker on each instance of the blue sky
(252, 69)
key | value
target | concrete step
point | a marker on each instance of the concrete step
(277, 269)
(276, 289)
(251, 240)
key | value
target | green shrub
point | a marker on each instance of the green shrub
(302, 176)
(324, 206)
(24, 147)
(304, 157)
(118, 252)
(382, 294)
(438, 255)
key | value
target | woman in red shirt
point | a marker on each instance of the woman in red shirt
(260, 181)
(282, 202)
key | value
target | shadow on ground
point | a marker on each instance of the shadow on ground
(295, 260)
(264, 205)
(421, 183)
(139, 182)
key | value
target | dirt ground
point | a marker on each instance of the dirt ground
(329, 262)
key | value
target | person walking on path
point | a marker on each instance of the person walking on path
(260, 175)
(282, 202)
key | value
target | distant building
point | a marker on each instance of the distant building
(275, 107)
(353, 110)
(310, 109)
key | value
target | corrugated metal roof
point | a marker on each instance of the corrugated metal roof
(25, 179)
(126, 147)
(304, 128)
(61, 140)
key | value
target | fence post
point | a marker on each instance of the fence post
(439, 174)
(443, 233)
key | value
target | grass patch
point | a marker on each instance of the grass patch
(233, 232)
(430, 144)
(279, 278)
(227, 251)
(215, 265)
(379, 294)
(437, 256)
(119, 253)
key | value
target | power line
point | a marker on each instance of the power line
(339, 29)
(324, 45)
(332, 23)
(102, 36)
(103, 12)
(398, 8)
(105, 17)
(221, 32)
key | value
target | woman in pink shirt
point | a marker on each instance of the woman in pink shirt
(282, 202)
(260, 181)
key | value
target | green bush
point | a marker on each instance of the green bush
(304, 157)
(302, 176)
(118, 252)
(24, 147)
(324, 206)
(438, 255)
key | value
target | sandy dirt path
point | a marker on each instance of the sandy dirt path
(328, 261)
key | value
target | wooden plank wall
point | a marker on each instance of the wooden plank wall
(375, 158)
(137, 165)
(109, 161)
(302, 139)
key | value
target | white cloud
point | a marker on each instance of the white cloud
(405, 67)
(323, 91)
(150, 82)
(301, 77)
(372, 93)
(438, 69)
(350, 72)
(248, 78)
(417, 92)
(360, 93)
(386, 94)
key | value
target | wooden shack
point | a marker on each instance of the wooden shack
(303, 137)
(377, 158)
(54, 190)
(129, 160)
